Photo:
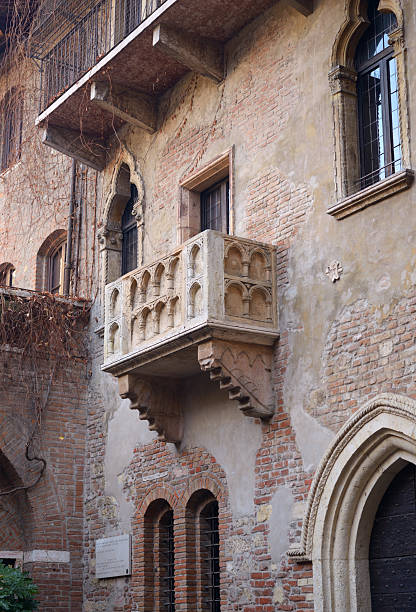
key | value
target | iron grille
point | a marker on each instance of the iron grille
(210, 558)
(66, 51)
(129, 231)
(167, 562)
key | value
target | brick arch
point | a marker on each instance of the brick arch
(164, 492)
(206, 482)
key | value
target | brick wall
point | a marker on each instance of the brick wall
(49, 515)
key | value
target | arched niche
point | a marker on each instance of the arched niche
(367, 453)
(110, 235)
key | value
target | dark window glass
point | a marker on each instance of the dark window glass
(56, 269)
(6, 275)
(167, 562)
(214, 207)
(129, 230)
(11, 130)
(9, 562)
(10, 277)
(210, 558)
(378, 100)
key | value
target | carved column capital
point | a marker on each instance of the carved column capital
(110, 239)
(396, 40)
(343, 80)
(157, 401)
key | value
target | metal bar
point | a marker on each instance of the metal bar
(81, 47)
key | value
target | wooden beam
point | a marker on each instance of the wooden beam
(133, 107)
(201, 55)
(85, 149)
(303, 6)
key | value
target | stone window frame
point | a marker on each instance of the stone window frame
(342, 79)
(17, 555)
(191, 187)
(367, 453)
(110, 236)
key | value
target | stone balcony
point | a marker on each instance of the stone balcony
(209, 305)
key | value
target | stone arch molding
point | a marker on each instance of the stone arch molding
(370, 449)
(343, 85)
(354, 26)
(125, 171)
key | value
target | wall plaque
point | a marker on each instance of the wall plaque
(113, 556)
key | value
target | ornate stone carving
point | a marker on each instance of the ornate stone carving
(334, 271)
(157, 401)
(110, 238)
(210, 304)
(244, 371)
(342, 80)
(389, 404)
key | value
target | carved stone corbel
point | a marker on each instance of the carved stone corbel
(244, 370)
(157, 401)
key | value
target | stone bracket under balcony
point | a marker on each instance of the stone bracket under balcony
(131, 106)
(208, 306)
(242, 370)
(199, 54)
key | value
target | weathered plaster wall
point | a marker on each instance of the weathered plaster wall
(275, 109)
(341, 343)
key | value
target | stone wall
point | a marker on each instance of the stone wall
(341, 343)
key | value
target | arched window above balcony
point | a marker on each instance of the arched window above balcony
(369, 95)
(121, 235)
(378, 99)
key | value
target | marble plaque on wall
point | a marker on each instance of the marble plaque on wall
(113, 556)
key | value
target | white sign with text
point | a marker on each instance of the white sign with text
(113, 556)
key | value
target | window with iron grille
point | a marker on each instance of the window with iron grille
(166, 562)
(210, 557)
(11, 109)
(378, 99)
(215, 207)
(129, 231)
